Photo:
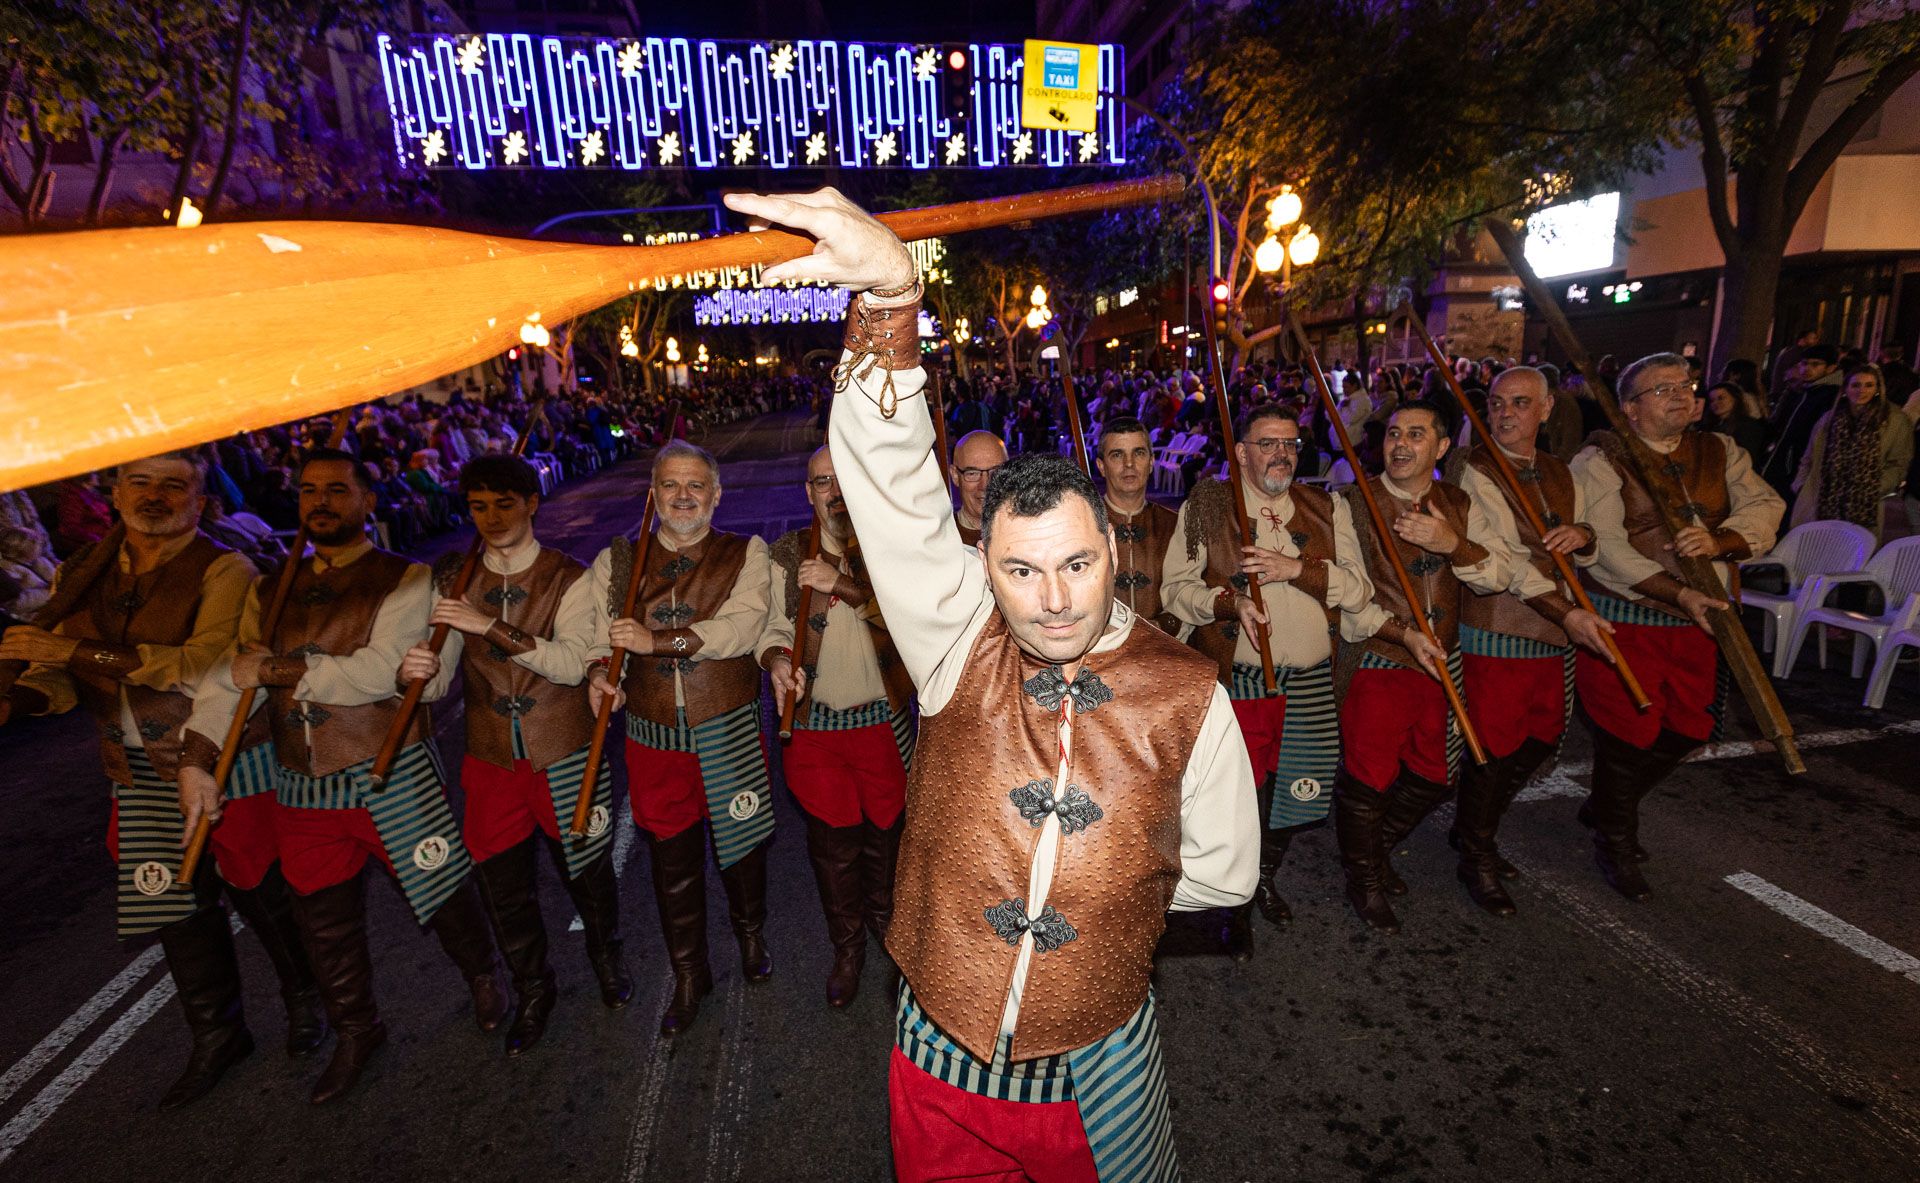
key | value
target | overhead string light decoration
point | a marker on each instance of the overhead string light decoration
(523, 101)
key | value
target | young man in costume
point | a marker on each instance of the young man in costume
(1077, 774)
(333, 672)
(1659, 621)
(159, 603)
(533, 621)
(852, 730)
(692, 695)
(1141, 529)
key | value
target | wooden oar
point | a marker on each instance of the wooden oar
(800, 631)
(437, 640)
(1517, 491)
(616, 673)
(116, 344)
(269, 622)
(1388, 542)
(1242, 523)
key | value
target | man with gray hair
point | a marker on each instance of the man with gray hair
(1659, 622)
(975, 458)
(691, 688)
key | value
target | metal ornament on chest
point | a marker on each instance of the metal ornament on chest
(676, 567)
(509, 705)
(506, 595)
(1049, 688)
(1035, 801)
(128, 602)
(1050, 929)
(673, 615)
(1130, 533)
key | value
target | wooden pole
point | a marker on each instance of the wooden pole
(1755, 684)
(1517, 491)
(936, 405)
(1243, 526)
(1388, 543)
(800, 630)
(616, 672)
(1079, 432)
(237, 727)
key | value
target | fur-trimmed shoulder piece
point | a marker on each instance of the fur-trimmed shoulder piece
(1209, 504)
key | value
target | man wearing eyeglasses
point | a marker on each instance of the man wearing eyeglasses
(975, 458)
(852, 732)
(1659, 622)
(1308, 560)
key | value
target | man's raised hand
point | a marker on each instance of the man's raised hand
(850, 247)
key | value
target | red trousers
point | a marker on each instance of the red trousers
(504, 806)
(843, 777)
(1676, 667)
(320, 848)
(1263, 721)
(665, 790)
(945, 1133)
(1393, 717)
(245, 843)
(1515, 699)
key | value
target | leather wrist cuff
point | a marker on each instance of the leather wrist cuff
(1732, 544)
(1593, 539)
(849, 591)
(197, 751)
(1393, 632)
(890, 337)
(100, 657)
(283, 671)
(664, 643)
(772, 651)
(1662, 587)
(1223, 603)
(1552, 605)
(505, 636)
(1467, 553)
(1313, 579)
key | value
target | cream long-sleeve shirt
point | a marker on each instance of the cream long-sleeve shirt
(1298, 629)
(847, 668)
(1490, 574)
(1527, 581)
(1755, 511)
(936, 597)
(577, 625)
(733, 630)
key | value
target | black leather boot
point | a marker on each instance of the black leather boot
(268, 911)
(461, 925)
(1525, 761)
(746, 885)
(333, 927)
(1266, 893)
(879, 856)
(1358, 813)
(199, 951)
(680, 889)
(1410, 799)
(835, 852)
(507, 885)
(596, 896)
(1476, 820)
(1611, 811)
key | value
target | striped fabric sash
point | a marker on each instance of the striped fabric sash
(253, 772)
(1309, 741)
(825, 718)
(411, 815)
(905, 734)
(1629, 612)
(733, 770)
(150, 828)
(1482, 642)
(1119, 1082)
(563, 781)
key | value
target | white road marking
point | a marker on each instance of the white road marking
(1828, 925)
(646, 1109)
(734, 1070)
(44, 1052)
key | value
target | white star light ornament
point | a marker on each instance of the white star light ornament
(781, 63)
(592, 148)
(1089, 147)
(513, 149)
(884, 149)
(1022, 146)
(469, 56)
(669, 148)
(629, 59)
(743, 147)
(956, 148)
(816, 147)
(433, 149)
(926, 63)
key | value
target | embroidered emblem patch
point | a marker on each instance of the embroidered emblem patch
(431, 853)
(152, 878)
(1304, 789)
(598, 819)
(744, 805)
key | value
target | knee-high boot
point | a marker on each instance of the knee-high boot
(746, 885)
(680, 889)
(1358, 812)
(268, 911)
(1476, 820)
(835, 852)
(1523, 763)
(595, 892)
(333, 927)
(1611, 811)
(461, 925)
(200, 955)
(508, 887)
(879, 856)
(1410, 799)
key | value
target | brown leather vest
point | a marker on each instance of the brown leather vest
(1210, 520)
(332, 612)
(968, 534)
(554, 719)
(1141, 543)
(682, 587)
(968, 846)
(789, 550)
(1699, 466)
(157, 608)
(1433, 577)
(1550, 485)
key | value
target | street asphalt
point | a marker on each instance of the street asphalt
(1753, 1020)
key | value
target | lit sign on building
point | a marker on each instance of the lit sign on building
(521, 101)
(1575, 237)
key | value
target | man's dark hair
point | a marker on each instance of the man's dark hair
(1124, 425)
(1266, 411)
(1443, 422)
(361, 475)
(1825, 353)
(1034, 483)
(499, 474)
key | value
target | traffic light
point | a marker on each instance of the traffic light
(1220, 292)
(956, 83)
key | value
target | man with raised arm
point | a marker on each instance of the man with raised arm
(1077, 775)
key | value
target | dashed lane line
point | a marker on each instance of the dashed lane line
(1852, 939)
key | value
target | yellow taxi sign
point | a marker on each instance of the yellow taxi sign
(1060, 89)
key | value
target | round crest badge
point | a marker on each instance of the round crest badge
(431, 854)
(744, 805)
(1304, 789)
(598, 819)
(152, 878)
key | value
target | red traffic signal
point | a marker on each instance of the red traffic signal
(956, 59)
(1220, 291)
(513, 354)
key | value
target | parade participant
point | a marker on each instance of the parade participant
(1395, 767)
(1308, 560)
(158, 612)
(1077, 774)
(975, 458)
(692, 695)
(1515, 646)
(1635, 584)
(534, 624)
(1141, 529)
(852, 734)
(333, 671)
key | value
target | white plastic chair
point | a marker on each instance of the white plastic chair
(1895, 570)
(1884, 663)
(1816, 548)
